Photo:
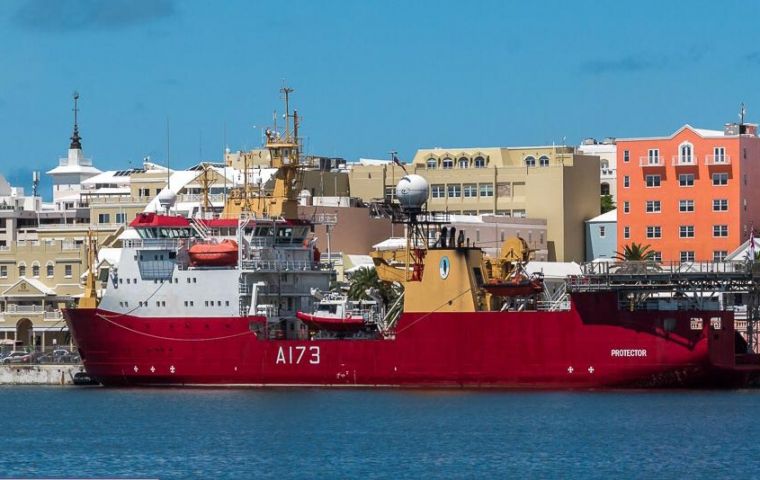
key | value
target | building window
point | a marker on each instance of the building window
(454, 190)
(626, 156)
(530, 161)
(67, 271)
(486, 189)
(480, 162)
(601, 231)
(657, 257)
(685, 151)
(687, 256)
(720, 230)
(686, 179)
(36, 270)
(686, 231)
(436, 191)
(464, 162)
(720, 179)
(654, 231)
(653, 206)
(626, 232)
(720, 255)
(686, 205)
(50, 269)
(104, 218)
(22, 270)
(626, 181)
(543, 161)
(626, 207)
(448, 164)
(518, 213)
(121, 218)
(3, 271)
(431, 163)
(719, 155)
(470, 190)
(720, 205)
(605, 188)
(653, 181)
(653, 156)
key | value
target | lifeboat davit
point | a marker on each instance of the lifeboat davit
(222, 254)
(333, 323)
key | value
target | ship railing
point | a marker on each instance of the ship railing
(278, 265)
(650, 267)
(261, 242)
(152, 243)
(555, 306)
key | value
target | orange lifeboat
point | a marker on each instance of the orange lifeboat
(222, 254)
(515, 287)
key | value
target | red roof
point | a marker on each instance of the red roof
(149, 220)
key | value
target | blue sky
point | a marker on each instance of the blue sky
(370, 76)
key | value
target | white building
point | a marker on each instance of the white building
(71, 170)
(606, 150)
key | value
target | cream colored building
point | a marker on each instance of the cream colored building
(554, 183)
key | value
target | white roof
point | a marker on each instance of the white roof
(742, 252)
(108, 177)
(370, 161)
(554, 269)
(73, 169)
(608, 217)
(110, 255)
(129, 234)
(393, 243)
(108, 191)
(359, 260)
(177, 181)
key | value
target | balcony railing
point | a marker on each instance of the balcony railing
(717, 160)
(24, 309)
(55, 315)
(680, 161)
(651, 162)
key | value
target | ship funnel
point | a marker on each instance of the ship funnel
(412, 192)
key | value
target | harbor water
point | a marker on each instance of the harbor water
(320, 433)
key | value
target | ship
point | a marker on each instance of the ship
(184, 308)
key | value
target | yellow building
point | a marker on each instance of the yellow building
(557, 184)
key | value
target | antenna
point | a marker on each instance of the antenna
(76, 140)
(168, 155)
(287, 91)
(742, 113)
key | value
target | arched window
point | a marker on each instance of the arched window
(530, 161)
(543, 161)
(50, 269)
(21, 269)
(605, 188)
(464, 162)
(448, 163)
(480, 162)
(36, 270)
(605, 165)
(432, 163)
(686, 153)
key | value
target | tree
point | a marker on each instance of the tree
(607, 203)
(365, 279)
(635, 252)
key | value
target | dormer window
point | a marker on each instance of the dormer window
(448, 163)
(432, 164)
(480, 162)
(530, 161)
(543, 161)
(464, 162)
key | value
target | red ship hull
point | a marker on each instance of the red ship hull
(592, 345)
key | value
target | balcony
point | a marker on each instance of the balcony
(24, 309)
(713, 160)
(651, 162)
(679, 161)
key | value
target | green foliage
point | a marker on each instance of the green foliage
(635, 252)
(607, 203)
(365, 279)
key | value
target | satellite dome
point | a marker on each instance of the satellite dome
(412, 191)
(166, 198)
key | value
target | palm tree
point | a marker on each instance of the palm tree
(635, 252)
(364, 280)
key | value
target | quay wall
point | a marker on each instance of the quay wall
(38, 374)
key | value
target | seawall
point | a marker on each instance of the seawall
(38, 374)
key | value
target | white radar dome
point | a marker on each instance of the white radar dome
(166, 198)
(412, 191)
